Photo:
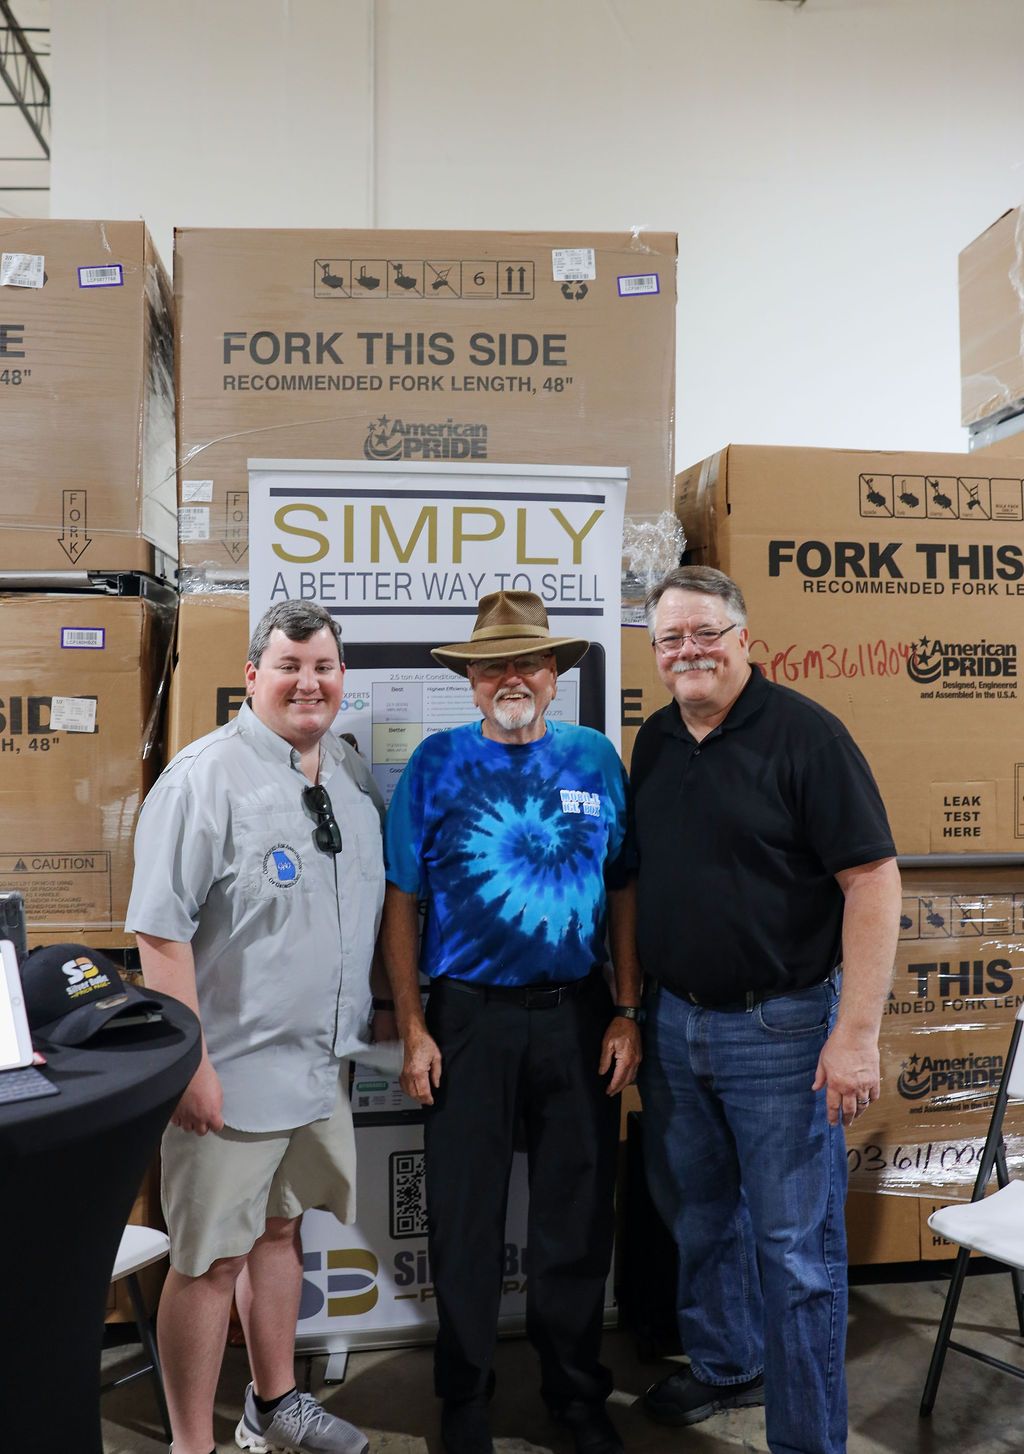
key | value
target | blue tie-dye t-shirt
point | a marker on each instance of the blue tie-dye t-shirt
(513, 848)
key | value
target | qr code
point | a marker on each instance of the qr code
(408, 1194)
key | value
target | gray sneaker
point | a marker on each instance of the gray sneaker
(298, 1426)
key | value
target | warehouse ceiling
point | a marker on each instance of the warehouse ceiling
(24, 108)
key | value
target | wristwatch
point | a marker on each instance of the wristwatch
(628, 1012)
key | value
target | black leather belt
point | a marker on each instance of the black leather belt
(529, 996)
(743, 1003)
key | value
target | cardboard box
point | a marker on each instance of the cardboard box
(960, 956)
(882, 1229)
(889, 588)
(643, 691)
(208, 680)
(77, 724)
(518, 348)
(992, 321)
(87, 419)
(939, 1083)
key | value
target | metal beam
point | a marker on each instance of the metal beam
(24, 78)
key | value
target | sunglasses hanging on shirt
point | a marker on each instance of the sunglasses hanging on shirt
(326, 834)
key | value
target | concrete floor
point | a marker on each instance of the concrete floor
(892, 1329)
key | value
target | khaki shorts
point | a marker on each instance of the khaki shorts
(219, 1189)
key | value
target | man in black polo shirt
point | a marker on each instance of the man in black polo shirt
(766, 863)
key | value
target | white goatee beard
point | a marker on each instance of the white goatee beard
(521, 714)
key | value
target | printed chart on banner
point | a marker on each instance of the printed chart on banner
(390, 711)
(445, 278)
(949, 916)
(941, 497)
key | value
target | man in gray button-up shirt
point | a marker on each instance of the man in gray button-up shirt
(257, 898)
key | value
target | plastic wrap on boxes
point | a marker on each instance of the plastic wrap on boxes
(86, 380)
(651, 546)
(958, 983)
(82, 674)
(513, 348)
(992, 321)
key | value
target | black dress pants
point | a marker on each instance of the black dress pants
(502, 1065)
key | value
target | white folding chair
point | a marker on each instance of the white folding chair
(140, 1247)
(993, 1226)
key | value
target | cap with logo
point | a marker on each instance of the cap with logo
(72, 992)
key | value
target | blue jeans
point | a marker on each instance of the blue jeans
(750, 1179)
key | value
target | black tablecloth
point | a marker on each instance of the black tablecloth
(70, 1168)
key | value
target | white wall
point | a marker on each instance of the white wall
(822, 165)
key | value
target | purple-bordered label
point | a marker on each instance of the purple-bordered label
(83, 638)
(639, 285)
(109, 275)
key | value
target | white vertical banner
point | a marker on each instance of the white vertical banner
(401, 554)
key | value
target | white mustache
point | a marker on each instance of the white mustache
(699, 663)
(506, 692)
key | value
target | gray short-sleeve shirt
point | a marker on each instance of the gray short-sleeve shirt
(282, 933)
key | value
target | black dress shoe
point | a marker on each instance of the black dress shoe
(465, 1428)
(682, 1398)
(592, 1430)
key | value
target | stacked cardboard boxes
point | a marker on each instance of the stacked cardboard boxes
(958, 984)
(521, 348)
(78, 729)
(991, 319)
(87, 427)
(87, 440)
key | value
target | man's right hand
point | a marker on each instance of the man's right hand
(421, 1072)
(199, 1109)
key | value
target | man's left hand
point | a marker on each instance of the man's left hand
(848, 1071)
(621, 1048)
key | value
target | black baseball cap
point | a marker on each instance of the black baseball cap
(72, 992)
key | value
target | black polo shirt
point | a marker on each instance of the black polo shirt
(740, 837)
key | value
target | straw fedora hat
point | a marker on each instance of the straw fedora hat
(511, 623)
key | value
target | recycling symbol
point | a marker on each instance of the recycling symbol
(573, 292)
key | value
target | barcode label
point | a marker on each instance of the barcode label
(73, 714)
(21, 270)
(636, 283)
(110, 276)
(83, 638)
(573, 264)
(193, 522)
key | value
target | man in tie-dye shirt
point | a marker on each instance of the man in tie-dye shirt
(514, 833)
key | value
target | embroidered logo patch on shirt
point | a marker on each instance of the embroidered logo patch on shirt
(575, 800)
(282, 866)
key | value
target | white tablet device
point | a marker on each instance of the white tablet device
(15, 1037)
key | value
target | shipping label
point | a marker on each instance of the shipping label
(22, 270)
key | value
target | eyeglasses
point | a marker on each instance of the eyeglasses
(705, 637)
(522, 666)
(326, 834)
